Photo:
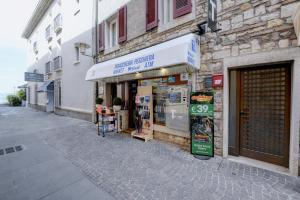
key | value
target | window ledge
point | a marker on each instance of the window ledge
(112, 49)
(76, 62)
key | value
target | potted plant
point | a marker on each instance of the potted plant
(99, 101)
(117, 103)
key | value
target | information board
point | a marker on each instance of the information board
(202, 123)
(34, 77)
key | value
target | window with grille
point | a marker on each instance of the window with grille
(57, 63)
(48, 67)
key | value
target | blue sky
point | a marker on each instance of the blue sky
(14, 15)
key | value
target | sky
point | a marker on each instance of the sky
(14, 15)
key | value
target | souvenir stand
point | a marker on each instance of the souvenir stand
(144, 114)
(107, 121)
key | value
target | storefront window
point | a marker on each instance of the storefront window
(170, 101)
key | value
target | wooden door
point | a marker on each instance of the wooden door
(264, 109)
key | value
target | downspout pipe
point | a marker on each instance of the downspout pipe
(95, 58)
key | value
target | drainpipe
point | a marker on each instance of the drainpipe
(95, 60)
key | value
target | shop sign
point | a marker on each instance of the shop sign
(34, 77)
(212, 14)
(217, 81)
(202, 123)
(181, 50)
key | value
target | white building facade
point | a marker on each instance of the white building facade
(54, 33)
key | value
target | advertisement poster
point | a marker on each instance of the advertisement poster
(202, 123)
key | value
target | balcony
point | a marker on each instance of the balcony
(48, 67)
(48, 33)
(58, 24)
(57, 63)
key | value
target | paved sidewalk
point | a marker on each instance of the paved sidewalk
(127, 168)
(38, 171)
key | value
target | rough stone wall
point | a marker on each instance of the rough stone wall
(248, 26)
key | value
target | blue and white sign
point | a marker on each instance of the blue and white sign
(182, 50)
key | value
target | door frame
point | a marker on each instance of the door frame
(237, 151)
(290, 55)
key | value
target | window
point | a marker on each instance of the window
(166, 11)
(35, 47)
(57, 63)
(48, 67)
(111, 34)
(151, 14)
(58, 23)
(77, 54)
(48, 34)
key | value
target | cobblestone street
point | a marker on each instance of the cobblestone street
(127, 168)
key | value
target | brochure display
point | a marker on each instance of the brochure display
(144, 114)
(202, 123)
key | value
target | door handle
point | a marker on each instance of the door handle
(243, 113)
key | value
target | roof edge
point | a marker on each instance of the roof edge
(36, 17)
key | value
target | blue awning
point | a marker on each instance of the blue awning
(44, 86)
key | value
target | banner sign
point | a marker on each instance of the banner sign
(212, 14)
(34, 77)
(202, 123)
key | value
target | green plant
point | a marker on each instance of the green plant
(22, 94)
(99, 100)
(14, 100)
(117, 101)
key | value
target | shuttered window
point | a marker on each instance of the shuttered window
(151, 14)
(101, 36)
(181, 7)
(122, 19)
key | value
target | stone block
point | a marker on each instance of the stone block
(289, 10)
(255, 46)
(228, 3)
(221, 54)
(274, 22)
(235, 50)
(249, 14)
(284, 43)
(260, 10)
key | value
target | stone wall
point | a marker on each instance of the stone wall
(248, 26)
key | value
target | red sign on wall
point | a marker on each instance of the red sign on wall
(217, 80)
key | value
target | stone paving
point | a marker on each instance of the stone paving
(130, 169)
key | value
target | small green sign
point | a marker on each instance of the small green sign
(202, 109)
(202, 123)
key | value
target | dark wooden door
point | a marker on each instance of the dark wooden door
(265, 114)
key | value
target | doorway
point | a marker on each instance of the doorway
(50, 97)
(260, 113)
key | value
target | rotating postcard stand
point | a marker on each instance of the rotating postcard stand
(144, 114)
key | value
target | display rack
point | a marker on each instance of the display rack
(144, 118)
(107, 123)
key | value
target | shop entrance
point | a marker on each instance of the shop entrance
(131, 103)
(262, 96)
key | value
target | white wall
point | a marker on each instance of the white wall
(108, 7)
(38, 61)
(77, 94)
